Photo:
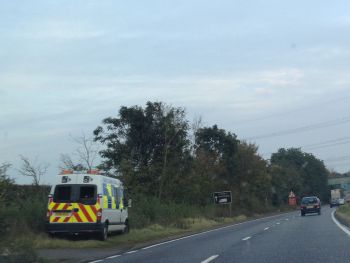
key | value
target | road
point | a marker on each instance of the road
(283, 238)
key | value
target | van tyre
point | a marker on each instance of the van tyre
(127, 227)
(104, 232)
(302, 214)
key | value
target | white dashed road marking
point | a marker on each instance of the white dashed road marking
(115, 256)
(246, 238)
(210, 259)
(266, 228)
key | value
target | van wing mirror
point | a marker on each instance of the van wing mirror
(127, 203)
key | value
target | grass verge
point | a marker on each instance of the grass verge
(343, 214)
(136, 236)
(146, 234)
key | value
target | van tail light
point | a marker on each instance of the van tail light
(99, 215)
(48, 215)
(50, 199)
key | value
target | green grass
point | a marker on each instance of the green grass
(343, 214)
(136, 236)
(344, 209)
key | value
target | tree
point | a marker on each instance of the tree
(85, 154)
(301, 172)
(66, 162)
(252, 182)
(221, 147)
(5, 182)
(147, 147)
(87, 150)
(33, 169)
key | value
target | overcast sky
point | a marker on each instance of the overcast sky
(252, 67)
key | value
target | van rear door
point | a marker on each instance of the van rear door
(74, 204)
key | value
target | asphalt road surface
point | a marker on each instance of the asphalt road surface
(283, 238)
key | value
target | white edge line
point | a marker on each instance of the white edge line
(115, 256)
(100, 260)
(340, 225)
(246, 238)
(216, 229)
(210, 259)
(130, 252)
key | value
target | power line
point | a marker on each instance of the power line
(326, 146)
(326, 142)
(320, 145)
(316, 105)
(301, 129)
(338, 159)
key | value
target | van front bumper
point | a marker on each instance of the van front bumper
(73, 227)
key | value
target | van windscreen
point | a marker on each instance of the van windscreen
(63, 194)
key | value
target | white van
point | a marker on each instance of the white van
(87, 202)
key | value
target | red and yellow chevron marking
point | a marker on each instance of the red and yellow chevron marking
(85, 214)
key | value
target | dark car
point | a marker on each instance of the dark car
(310, 204)
(334, 202)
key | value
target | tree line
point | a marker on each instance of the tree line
(158, 153)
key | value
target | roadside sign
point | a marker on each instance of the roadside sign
(222, 198)
(292, 199)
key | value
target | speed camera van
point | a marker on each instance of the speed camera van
(87, 202)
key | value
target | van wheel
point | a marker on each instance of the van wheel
(104, 232)
(126, 228)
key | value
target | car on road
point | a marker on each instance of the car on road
(334, 202)
(310, 204)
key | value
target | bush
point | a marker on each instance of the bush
(18, 251)
(147, 211)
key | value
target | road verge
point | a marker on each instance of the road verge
(119, 244)
(342, 214)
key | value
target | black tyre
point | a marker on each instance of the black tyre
(302, 214)
(104, 232)
(319, 212)
(127, 227)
